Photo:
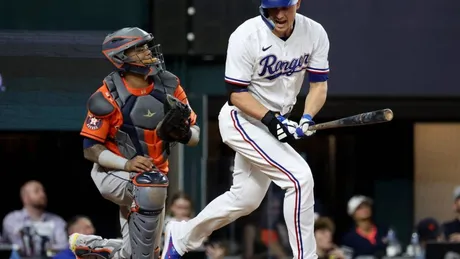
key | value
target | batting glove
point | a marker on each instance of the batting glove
(302, 131)
(290, 125)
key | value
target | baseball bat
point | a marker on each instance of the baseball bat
(373, 117)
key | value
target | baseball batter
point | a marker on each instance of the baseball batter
(267, 59)
(132, 119)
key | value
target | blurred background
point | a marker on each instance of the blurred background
(403, 175)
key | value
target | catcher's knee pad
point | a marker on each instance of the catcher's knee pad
(149, 191)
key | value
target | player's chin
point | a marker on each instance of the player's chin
(281, 27)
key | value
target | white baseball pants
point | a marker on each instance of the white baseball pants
(260, 159)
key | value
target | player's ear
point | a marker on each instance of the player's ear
(298, 5)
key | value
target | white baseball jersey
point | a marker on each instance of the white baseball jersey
(274, 69)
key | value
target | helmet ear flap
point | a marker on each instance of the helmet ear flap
(265, 18)
(119, 58)
(264, 12)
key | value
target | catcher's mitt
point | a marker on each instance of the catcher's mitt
(175, 125)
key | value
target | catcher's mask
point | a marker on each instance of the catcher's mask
(117, 44)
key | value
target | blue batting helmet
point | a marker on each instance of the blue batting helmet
(265, 4)
(277, 3)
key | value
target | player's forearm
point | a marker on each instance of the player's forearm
(92, 153)
(98, 153)
(248, 104)
(316, 98)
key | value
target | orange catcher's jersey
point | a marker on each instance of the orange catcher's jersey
(104, 128)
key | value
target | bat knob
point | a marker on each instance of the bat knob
(388, 114)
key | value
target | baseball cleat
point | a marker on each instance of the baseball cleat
(93, 247)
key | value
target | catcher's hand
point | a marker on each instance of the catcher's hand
(175, 125)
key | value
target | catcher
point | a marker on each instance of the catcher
(132, 120)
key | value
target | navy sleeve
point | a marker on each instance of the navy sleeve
(87, 142)
(318, 77)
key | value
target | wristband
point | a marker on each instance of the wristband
(307, 116)
(111, 160)
(268, 117)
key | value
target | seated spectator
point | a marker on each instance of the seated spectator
(325, 247)
(452, 228)
(216, 250)
(33, 229)
(78, 224)
(252, 246)
(428, 230)
(274, 234)
(366, 238)
(180, 208)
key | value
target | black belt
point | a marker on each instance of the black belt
(285, 115)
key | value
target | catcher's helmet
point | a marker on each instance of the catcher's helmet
(116, 43)
(265, 4)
